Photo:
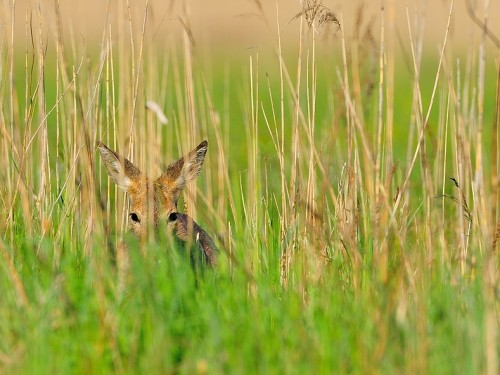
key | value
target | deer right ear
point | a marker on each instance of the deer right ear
(120, 169)
(183, 170)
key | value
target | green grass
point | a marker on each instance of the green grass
(314, 275)
(165, 321)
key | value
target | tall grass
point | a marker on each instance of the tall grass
(351, 185)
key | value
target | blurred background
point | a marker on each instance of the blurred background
(237, 25)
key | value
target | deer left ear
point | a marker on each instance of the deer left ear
(184, 170)
(121, 170)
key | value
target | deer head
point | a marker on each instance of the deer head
(152, 201)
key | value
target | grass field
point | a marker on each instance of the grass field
(350, 184)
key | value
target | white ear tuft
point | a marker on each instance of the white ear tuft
(116, 166)
(194, 161)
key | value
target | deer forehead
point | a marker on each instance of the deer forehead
(145, 195)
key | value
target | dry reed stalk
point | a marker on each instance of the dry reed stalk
(404, 186)
(9, 171)
(189, 138)
(379, 221)
(295, 186)
(280, 145)
(495, 181)
(462, 167)
(253, 188)
(441, 168)
(481, 214)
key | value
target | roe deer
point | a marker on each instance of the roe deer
(154, 201)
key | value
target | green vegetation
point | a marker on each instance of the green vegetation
(337, 253)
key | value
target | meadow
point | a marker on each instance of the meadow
(351, 186)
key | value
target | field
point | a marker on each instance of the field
(351, 186)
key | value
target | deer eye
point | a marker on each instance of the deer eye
(172, 216)
(134, 217)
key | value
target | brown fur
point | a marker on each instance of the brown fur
(153, 201)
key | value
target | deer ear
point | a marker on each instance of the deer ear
(193, 162)
(183, 170)
(120, 169)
